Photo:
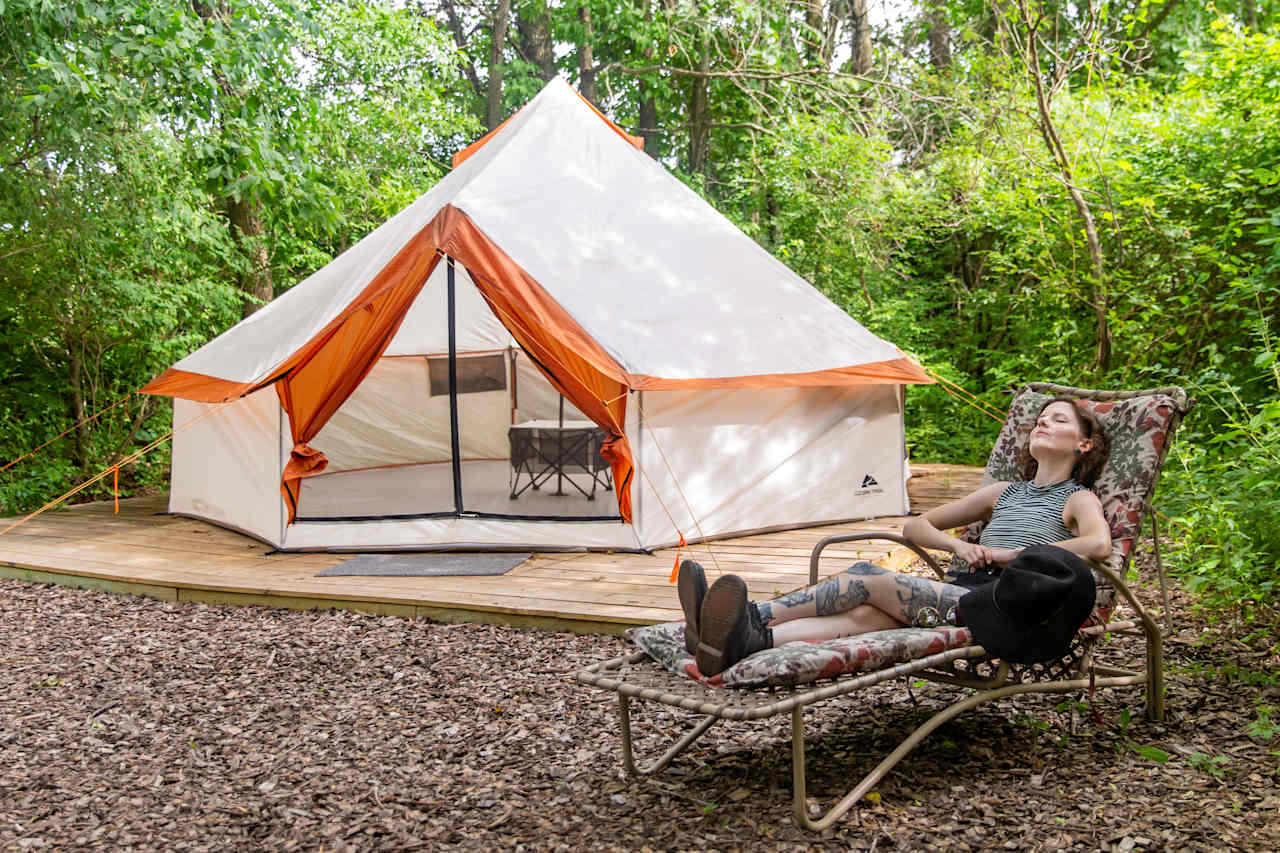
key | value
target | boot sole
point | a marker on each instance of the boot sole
(721, 609)
(692, 586)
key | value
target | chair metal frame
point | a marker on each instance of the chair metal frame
(636, 676)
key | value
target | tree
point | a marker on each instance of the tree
(138, 189)
(498, 41)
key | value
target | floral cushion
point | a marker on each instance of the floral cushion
(1138, 428)
(798, 663)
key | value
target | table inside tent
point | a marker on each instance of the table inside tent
(542, 450)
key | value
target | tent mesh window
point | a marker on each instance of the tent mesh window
(476, 373)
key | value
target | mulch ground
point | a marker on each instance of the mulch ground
(128, 723)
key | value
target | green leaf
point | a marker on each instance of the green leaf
(1152, 753)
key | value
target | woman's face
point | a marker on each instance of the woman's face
(1058, 432)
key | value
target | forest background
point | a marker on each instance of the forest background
(1011, 190)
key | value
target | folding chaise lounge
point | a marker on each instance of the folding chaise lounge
(1140, 425)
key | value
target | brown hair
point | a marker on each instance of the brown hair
(1089, 464)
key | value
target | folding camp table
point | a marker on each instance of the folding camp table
(543, 449)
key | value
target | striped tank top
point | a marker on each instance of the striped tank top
(1026, 514)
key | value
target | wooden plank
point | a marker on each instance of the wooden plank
(454, 615)
(163, 593)
(296, 602)
(614, 604)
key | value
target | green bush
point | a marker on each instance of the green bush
(1222, 490)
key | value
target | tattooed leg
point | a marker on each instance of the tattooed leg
(834, 595)
(910, 594)
(863, 598)
(800, 600)
(839, 594)
(765, 609)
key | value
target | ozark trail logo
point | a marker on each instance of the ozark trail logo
(870, 486)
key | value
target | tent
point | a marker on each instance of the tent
(558, 346)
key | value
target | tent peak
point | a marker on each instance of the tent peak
(554, 86)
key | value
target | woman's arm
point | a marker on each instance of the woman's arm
(1083, 513)
(927, 530)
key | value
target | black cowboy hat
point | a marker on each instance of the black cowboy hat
(1031, 612)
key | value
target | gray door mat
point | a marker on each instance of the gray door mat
(425, 565)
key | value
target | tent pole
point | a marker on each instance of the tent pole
(453, 390)
(560, 451)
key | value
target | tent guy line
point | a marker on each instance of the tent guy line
(137, 454)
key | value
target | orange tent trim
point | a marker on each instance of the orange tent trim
(899, 371)
(196, 386)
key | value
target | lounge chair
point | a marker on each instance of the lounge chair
(1141, 425)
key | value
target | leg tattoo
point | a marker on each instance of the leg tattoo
(840, 593)
(916, 594)
(792, 599)
(862, 567)
(834, 595)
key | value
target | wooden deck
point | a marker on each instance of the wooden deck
(145, 551)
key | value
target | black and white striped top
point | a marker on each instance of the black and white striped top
(1026, 514)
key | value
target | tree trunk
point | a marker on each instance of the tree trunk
(75, 381)
(493, 101)
(649, 121)
(835, 14)
(813, 32)
(533, 22)
(699, 114)
(860, 31)
(245, 217)
(1049, 132)
(939, 34)
(586, 62)
(648, 103)
(1250, 15)
(460, 41)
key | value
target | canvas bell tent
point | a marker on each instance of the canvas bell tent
(558, 345)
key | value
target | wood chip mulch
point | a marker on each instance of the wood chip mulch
(128, 723)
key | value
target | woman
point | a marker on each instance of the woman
(1062, 458)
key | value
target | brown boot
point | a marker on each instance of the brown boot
(692, 586)
(726, 631)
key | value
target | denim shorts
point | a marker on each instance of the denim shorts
(971, 580)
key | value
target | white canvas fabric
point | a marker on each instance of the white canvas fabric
(665, 283)
(452, 534)
(746, 460)
(425, 328)
(226, 465)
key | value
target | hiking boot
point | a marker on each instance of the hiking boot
(692, 585)
(727, 633)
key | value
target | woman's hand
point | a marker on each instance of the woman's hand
(1003, 556)
(976, 556)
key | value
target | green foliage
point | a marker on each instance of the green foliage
(1214, 765)
(1222, 490)
(113, 273)
(126, 130)
(1264, 728)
